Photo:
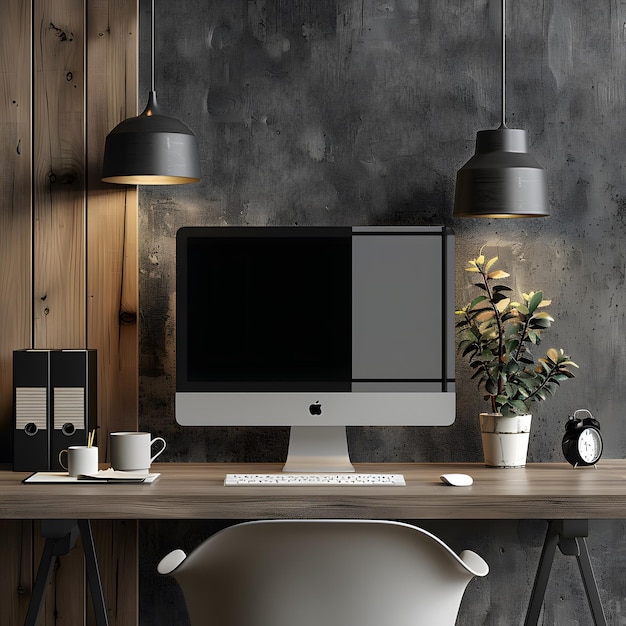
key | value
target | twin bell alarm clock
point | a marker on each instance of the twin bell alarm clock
(582, 441)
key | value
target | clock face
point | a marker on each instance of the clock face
(589, 445)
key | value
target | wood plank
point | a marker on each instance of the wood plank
(16, 570)
(15, 203)
(59, 200)
(112, 69)
(15, 277)
(59, 174)
(112, 217)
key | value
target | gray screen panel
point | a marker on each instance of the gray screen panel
(396, 294)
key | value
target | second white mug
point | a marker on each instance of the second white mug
(132, 451)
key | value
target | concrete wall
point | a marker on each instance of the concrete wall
(335, 112)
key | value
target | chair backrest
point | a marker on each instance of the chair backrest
(323, 572)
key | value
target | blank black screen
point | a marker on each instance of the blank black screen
(265, 309)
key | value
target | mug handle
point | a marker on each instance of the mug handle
(161, 450)
(61, 462)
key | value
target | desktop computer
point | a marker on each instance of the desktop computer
(316, 328)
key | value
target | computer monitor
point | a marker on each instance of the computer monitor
(316, 328)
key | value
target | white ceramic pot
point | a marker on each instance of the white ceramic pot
(505, 439)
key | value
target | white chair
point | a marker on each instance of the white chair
(323, 573)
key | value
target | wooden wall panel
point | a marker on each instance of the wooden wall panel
(59, 174)
(15, 202)
(15, 275)
(68, 258)
(112, 66)
(112, 215)
(59, 227)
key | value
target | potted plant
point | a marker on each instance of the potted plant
(498, 337)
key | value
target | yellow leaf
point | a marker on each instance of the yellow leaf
(490, 262)
(544, 315)
(471, 268)
(544, 303)
(480, 260)
(498, 274)
(485, 315)
(553, 355)
(503, 304)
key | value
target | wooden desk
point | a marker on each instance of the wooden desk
(566, 497)
(186, 491)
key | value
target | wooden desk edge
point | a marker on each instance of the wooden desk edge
(194, 490)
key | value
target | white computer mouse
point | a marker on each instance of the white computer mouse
(457, 480)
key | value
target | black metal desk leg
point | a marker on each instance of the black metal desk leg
(541, 578)
(61, 536)
(93, 573)
(569, 536)
(589, 582)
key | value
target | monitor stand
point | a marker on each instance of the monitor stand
(318, 449)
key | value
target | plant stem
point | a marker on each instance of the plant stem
(520, 347)
(500, 383)
(545, 382)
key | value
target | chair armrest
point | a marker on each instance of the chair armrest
(171, 561)
(474, 563)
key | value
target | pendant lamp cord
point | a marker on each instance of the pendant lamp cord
(152, 50)
(503, 120)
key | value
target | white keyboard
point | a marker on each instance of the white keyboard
(306, 480)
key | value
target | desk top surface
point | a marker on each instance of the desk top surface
(192, 490)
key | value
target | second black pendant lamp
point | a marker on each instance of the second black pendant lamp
(502, 179)
(152, 148)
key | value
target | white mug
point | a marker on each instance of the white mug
(132, 451)
(80, 460)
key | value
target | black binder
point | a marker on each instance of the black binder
(73, 385)
(31, 410)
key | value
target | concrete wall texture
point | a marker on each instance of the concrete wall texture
(346, 112)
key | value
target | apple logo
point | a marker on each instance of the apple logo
(315, 409)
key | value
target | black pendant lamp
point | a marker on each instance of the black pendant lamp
(502, 179)
(152, 148)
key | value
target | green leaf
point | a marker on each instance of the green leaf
(519, 406)
(476, 301)
(558, 378)
(511, 345)
(469, 348)
(535, 301)
(491, 387)
(512, 329)
(507, 410)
